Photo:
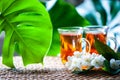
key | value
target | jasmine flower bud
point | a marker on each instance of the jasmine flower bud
(114, 64)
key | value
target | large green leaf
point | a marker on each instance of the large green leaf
(28, 30)
(63, 14)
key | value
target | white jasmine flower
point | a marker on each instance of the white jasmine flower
(68, 63)
(77, 54)
(93, 55)
(74, 64)
(79, 60)
(118, 62)
(86, 59)
(69, 58)
(97, 62)
(114, 64)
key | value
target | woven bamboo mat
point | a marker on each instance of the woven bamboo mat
(52, 70)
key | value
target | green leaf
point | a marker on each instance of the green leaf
(118, 54)
(106, 66)
(108, 69)
(91, 18)
(63, 14)
(28, 30)
(103, 14)
(99, 8)
(1, 21)
(105, 50)
(114, 7)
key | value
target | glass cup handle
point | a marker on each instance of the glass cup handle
(87, 46)
(115, 42)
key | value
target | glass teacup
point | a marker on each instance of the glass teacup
(101, 34)
(71, 39)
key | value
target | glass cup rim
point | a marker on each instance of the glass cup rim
(69, 28)
(75, 29)
(94, 27)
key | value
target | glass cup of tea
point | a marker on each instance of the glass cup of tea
(71, 39)
(101, 34)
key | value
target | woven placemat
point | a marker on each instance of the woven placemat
(53, 70)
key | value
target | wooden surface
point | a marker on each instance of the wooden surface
(53, 70)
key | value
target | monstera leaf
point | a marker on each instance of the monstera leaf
(28, 30)
(63, 14)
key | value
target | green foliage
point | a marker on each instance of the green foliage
(101, 16)
(114, 8)
(108, 69)
(108, 53)
(105, 50)
(28, 30)
(63, 14)
(99, 8)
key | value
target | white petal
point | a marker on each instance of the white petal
(114, 64)
(112, 61)
(77, 54)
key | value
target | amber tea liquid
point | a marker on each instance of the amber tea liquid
(90, 37)
(69, 44)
